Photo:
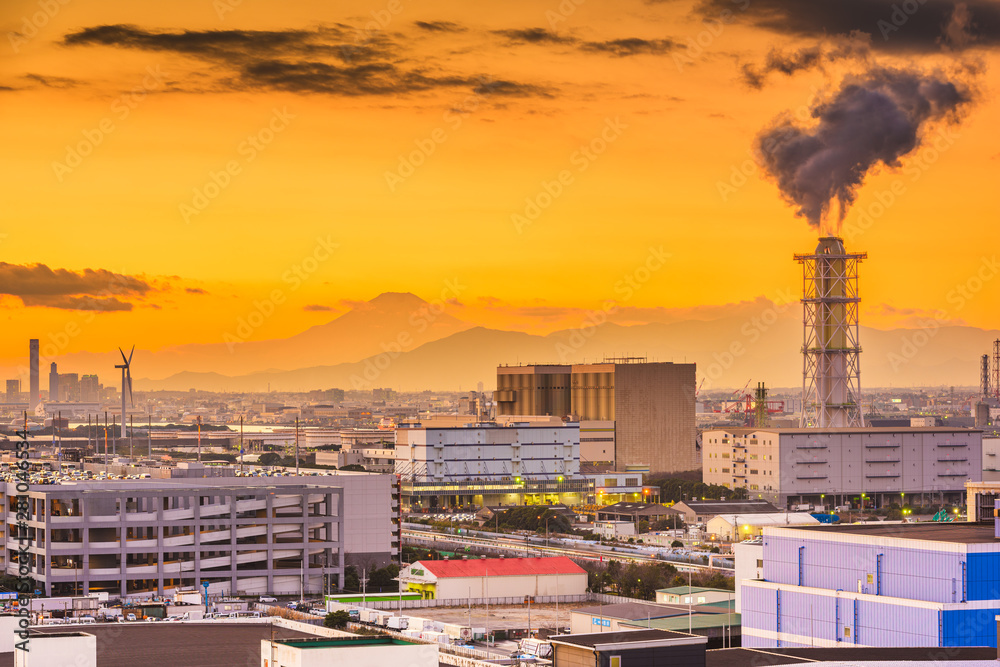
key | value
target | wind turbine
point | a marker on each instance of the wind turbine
(126, 378)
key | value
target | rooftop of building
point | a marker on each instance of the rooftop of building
(343, 642)
(501, 567)
(691, 590)
(683, 623)
(626, 507)
(774, 519)
(747, 657)
(730, 506)
(188, 644)
(743, 431)
(957, 532)
(642, 611)
(626, 637)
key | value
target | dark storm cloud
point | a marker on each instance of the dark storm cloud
(809, 58)
(628, 46)
(52, 81)
(439, 26)
(90, 289)
(534, 36)
(334, 60)
(895, 25)
(632, 46)
(874, 119)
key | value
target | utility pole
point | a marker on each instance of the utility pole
(199, 438)
(105, 441)
(149, 436)
(241, 445)
(296, 446)
(131, 434)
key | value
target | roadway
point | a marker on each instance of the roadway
(537, 546)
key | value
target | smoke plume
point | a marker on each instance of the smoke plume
(873, 119)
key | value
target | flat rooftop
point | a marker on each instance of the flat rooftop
(600, 638)
(748, 657)
(188, 644)
(958, 532)
(341, 642)
(743, 431)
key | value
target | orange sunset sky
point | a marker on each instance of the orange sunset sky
(119, 118)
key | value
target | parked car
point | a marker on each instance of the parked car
(267, 598)
(130, 617)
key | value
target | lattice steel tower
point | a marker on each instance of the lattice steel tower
(831, 351)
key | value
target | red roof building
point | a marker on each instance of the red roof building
(496, 578)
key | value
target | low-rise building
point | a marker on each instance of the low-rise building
(354, 651)
(495, 578)
(634, 648)
(692, 595)
(635, 512)
(736, 527)
(700, 511)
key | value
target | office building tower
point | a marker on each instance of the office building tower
(34, 392)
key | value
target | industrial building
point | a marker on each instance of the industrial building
(700, 511)
(651, 405)
(635, 512)
(256, 535)
(480, 578)
(919, 584)
(843, 466)
(635, 648)
(487, 464)
(736, 527)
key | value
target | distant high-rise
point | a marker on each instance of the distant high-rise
(53, 382)
(69, 387)
(650, 404)
(34, 392)
(90, 389)
(13, 391)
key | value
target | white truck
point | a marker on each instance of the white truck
(457, 632)
(398, 623)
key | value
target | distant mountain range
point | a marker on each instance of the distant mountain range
(396, 341)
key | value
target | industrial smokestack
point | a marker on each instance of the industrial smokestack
(874, 119)
(831, 350)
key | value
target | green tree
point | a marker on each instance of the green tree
(351, 580)
(383, 579)
(269, 459)
(337, 619)
(676, 544)
(354, 467)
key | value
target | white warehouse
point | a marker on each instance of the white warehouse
(494, 578)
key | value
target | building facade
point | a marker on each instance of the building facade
(651, 405)
(923, 584)
(488, 452)
(835, 467)
(250, 535)
(494, 578)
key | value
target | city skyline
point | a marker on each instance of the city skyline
(309, 125)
